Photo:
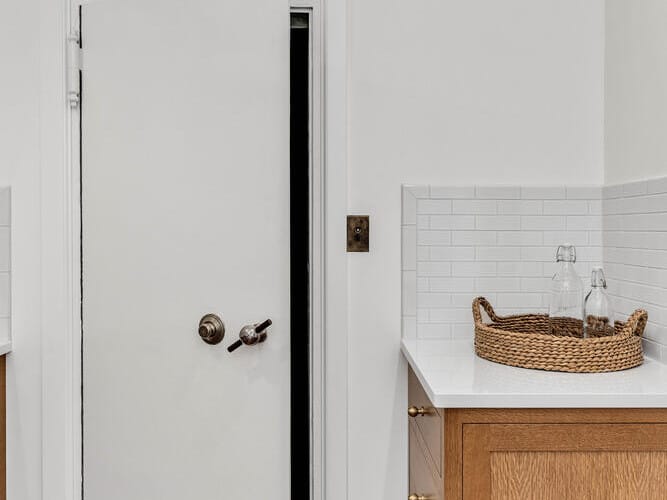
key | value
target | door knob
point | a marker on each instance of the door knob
(211, 329)
(413, 411)
(251, 335)
(414, 496)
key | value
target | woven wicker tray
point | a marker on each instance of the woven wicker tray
(526, 341)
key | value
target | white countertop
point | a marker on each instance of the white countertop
(454, 377)
(5, 347)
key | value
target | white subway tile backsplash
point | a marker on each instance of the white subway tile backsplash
(409, 207)
(498, 192)
(423, 252)
(434, 206)
(520, 207)
(465, 299)
(498, 284)
(432, 300)
(653, 240)
(584, 192)
(520, 238)
(417, 191)
(452, 284)
(595, 238)
(434, 331)
(519, 300)
(543, 192)
(497, 222)
(462, 330)
(538, 254)
(634, 244)
(609, 192)
(450, 315)
(634, 188)
(595, 207)
(409, 330)
(565, 207)
(452, 222)
(473, 238)
(472, 269)
(425, 237)
(5, 264)
(452, 192)
(500, 241)
(495, 254)
(583, 222)
(487, 207)
(452, 253)
(555, 238)
(657, 186)
(428, 269)
(520, 269)
(537, 285)
(543, 222)
(652, 349)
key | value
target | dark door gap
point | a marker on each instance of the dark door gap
(300, 256)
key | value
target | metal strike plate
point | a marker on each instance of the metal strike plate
(357, 233)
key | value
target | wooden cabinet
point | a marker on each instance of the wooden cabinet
(541, 454)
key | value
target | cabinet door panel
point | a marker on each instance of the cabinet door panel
(423, 480)
(562, 461)
(430, 426)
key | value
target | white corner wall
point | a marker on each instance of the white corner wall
(450, 93)
(439, 93)
(20, 169)
(635, 90)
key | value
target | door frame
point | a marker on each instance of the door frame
(316, 250)
(61, 450)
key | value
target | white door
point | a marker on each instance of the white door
(185, 209)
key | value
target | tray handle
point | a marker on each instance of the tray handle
(635, 324)
(477, 305)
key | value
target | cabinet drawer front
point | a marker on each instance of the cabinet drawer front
(430, 425)
(423, 480)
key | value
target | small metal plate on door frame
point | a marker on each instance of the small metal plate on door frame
(358, 228)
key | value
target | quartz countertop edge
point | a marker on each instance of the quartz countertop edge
(5, 347)
(453, 376)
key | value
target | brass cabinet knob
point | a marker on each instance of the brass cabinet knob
(414, 496)
(413, 411)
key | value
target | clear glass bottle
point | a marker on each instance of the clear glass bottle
(598, 316)
(567, 295)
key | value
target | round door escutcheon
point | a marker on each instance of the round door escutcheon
(211, 329)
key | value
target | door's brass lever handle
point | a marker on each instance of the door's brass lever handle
(251, 335)
(414, 496)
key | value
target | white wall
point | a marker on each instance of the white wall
(20, 168)
(449, 92)
(439, 92)
(636, 90)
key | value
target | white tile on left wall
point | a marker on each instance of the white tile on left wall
(5, 265)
